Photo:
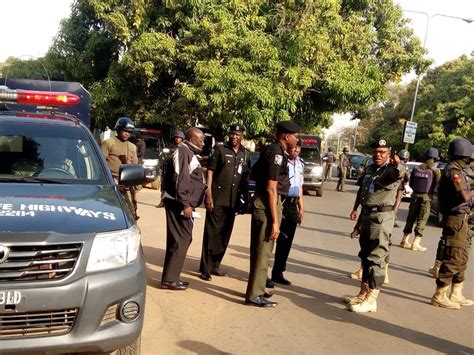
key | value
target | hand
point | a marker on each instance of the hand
(275, 231)
(188, 212)
(209, 202)
(395, 159)
(299, 217)
(353, 215)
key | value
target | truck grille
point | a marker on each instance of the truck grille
(39, 262)
(36, 323)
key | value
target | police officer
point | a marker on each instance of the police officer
(344, 164)
(455, 201)
(330, 158)
(377, 196)
(270, 173)
(118, 150)
(404, 157)
(423, 180)
(184, 190)
(293, 211)
(227, 168)
(434, 270)
(178, 137)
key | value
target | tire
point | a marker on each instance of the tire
(305, 191)
(132, 349)
(319, 192)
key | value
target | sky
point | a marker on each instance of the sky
(447, 39)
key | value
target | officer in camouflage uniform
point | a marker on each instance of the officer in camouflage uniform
(423, 180)
(455, 201)
(377, 196)
(119, 150)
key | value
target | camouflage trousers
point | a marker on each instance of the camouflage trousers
(455, 250)
(375, 231)
(418, 212)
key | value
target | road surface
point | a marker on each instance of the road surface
(211, 318)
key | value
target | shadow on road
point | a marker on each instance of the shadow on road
(324, 305)
(198, 347)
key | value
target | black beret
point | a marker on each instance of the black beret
(381, 143)
(178, 134)
(237, 127)
(288, 127)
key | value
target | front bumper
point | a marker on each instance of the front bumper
(312, 182)
(92, 295)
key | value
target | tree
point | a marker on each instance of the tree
(217, 62)
(444, 109)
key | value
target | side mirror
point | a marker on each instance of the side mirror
(131, 174)
(166, 150)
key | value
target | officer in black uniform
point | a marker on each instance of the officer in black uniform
(270, 173)
(227, 169)
(455, 200)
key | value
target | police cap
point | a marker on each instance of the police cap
(178, 134)
(237, 128)
(288, 127)
(381, 143)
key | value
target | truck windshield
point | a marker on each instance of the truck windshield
(41, 152)
(310, 154)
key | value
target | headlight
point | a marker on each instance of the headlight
(317, 170)
(114, 249)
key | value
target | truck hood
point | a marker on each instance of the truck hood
(67, 209)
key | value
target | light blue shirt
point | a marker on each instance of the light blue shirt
(295, 173)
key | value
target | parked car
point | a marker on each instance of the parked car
(72, 270)
(356, 159)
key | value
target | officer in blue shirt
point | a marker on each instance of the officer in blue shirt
(292, 214)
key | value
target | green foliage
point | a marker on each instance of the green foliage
(444, 109)
(218, 62)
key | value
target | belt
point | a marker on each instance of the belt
(370, 209)
(291, 200)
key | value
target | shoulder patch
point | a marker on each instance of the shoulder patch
(278, 159)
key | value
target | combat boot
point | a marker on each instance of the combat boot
(440, 299)
(457, 296)
(356, 275)
(364, 289)
(416, 245)
(434, 271)
(405, 243)
(386, 279)
(369, 304)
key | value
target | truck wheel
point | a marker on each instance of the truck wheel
(319, 192)
(132, 349)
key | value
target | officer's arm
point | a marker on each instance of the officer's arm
(104, 148)
(183, 180)
(209, 200)
(273, 202)
(461, 187)
(134, 157)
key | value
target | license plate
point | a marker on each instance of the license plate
(10, 297)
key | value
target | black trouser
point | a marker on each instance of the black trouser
(456, 250)
(179, 232)
(217, 231)
(287, 232)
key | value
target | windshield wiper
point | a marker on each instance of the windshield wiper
(30, 179)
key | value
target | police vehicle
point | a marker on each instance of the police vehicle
(72, 275)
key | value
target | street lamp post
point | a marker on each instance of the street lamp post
(428, 19)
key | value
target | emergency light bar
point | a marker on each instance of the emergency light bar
(31, 97)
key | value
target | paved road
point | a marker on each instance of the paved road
(210, 317)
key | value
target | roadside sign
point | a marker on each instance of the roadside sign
(409, 132)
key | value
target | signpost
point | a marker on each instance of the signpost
(409, 132)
